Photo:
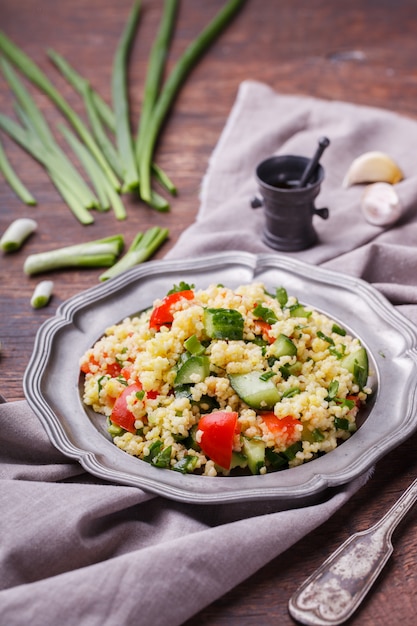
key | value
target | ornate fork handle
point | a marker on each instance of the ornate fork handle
(334, 591)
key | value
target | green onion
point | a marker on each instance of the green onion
(18, 231)
(324, 337)
(266, 314)
(186, 465)
(156, 65)
(42, 294)
(163, 458)
(163, 179)
(57, 164)
(341, 423)
(90, 165)
(104, 142)
(97, 108)
(267, 375)
(39, 141)
(120, 102)
(23, 138)
(37, 76)
(79, 83)
(90, 98)
(142, 248)
(282, 296)
(14, 181)
(105, 191)
(98, 253)
(338, 330)
(291, 392)
(171, 87)
(332, 390)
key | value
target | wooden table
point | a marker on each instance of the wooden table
(354, 50)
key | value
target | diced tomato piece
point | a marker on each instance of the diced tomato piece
(113, 370)
(152, 394)
(126, 372)
(120, 414)
(263, 328)
(86, 367)
(218, 431)
(286, 425)
(163, 315)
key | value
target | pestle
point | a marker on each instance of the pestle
(312, 164)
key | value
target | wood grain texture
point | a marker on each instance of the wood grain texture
(361, 51)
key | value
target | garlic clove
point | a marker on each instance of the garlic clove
(380, 204)
(373, 167)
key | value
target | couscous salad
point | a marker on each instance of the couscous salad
(222, 381)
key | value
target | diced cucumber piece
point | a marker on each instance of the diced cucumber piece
(257, 393)
(238, 460)
(192, 438)
(114, 430)
(254, 450)
(291, 370)
(298, 310)
(357, 364)
(283, 346)
(195, 369)
(194, 346)
(223, 324)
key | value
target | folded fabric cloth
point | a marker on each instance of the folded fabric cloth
(77, 550)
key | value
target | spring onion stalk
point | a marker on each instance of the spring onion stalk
(37, 76)
(57, 163)
(16, 234)
(24, 139)
(172, 85)
(82, 214)
(98, 253)
(89, 164)
(83, 87)
(79, 83)
(13, 179)
(103, 186)
(42, 294)
(41, 135)
(120, 102)
(163, 179)
(156, 66)
(26, 101)
(98, 109)
(100, 134)
(142, 248)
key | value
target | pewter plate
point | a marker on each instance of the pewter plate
(52, 381)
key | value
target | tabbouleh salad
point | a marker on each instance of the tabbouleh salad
(222, 381)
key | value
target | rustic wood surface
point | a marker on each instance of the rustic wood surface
(360, 51)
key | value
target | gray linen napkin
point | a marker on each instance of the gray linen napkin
(77, 550)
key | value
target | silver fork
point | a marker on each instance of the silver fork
(335, 590)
